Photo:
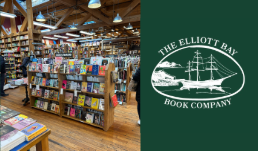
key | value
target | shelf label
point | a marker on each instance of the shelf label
(61, 91)
(30, 86)
(37, 87)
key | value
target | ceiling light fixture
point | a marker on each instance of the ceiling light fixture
(74, 35)
(50, 37)
(45, 30)
(82, 38)
(44, 25)
(85, 32)
(94, 4)
(73, 26)
(129, 26)
(136, 31)
(117, 19)
(7, 14)
(58, 36)
(72, 40)
(40, 17)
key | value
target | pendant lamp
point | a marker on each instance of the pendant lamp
(40, 17)
(117, 19)
(94, 4)
(129, 26)
(73, 26)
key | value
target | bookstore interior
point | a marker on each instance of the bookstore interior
(65, 70)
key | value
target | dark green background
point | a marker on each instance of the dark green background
(229, 128)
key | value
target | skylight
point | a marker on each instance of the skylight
(34, 3)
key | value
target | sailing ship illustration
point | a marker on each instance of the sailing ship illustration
(212, 65)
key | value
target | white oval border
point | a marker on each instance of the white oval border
(201, 99)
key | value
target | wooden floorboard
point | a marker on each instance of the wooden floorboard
(70, 135)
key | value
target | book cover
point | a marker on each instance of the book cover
(33, 67)
(35, 103)
(6, 129)
(102, 88)
(83, 69)
(38, 103)
(94, 103)
(56, 68)
(72, 69)
(102, 70)
(8, 115)
(72, 112)
(68, 85)
(12, 139)
(46, 94)
(77, 112)
(101, 104)
(71, 62)
(87, 101)
(43, 81)
(65, 110)
(45, 105)
(105, 61)
(40, 81)
(96, 87)
(55, 95)
(64, 84)
(73, 85)
(68, 97)
(51, 83)
(49, 106)
(39, 92)
(84, 87)
(41, 105)
(81, 100)
(62, 68)
(45, 67)
(36, 80)
(114, 76)
(95, 69)
(54, 82)
(89, 86)
(13, 120)
(32, 80)
(39, 67)
(24, 123)
(83, 115)
(32, 129)
(53, 106)
(47, 82)
(58, 60)
(114, 101)
(57, 108)
(51, 68)
(87, 61)
(89, 117)
(79, 86)
(67, 68)
(51, 94)
(89, 69)
(77, 68)
(33, 91)
(96, 118)
(75, 99)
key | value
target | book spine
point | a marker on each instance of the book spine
(35, 134)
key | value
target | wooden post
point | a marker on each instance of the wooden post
(128, 79)
(13, 24)
(30, 24)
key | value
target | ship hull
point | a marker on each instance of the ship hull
(207, 84)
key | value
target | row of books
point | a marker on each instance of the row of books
(122, 74)
(120, 86)
(50, 106)
(88, 115)
(47, 94)
(83, 69)
(84, 86)
(120, 63)
(83, 100)
(17, 128)
(43, 67)
(44, 81)
(121, 96)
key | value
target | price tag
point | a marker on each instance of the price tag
(61, 91)
(30, 86)
(75, 92)
(37, 87)
(124, 81)
(116, 90)
(120, 102)
(116, 68)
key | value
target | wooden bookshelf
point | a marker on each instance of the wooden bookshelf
(109, 88)
(128, 79)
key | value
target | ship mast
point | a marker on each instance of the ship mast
(197, 53)
(211, 68)
(189, 70)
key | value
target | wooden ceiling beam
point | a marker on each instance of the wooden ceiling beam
(85, 8)
(3, 31)
(20, 8)
(13, 23)
(130, 7)
(39, 27)
(130, 19)
(85, 18)
(5, 9)
(67, 14)
(30, 14)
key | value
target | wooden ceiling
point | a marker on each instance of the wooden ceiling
(63, 13)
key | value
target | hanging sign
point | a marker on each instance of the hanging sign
(38, 43)
(64, 55)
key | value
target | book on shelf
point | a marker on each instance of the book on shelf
(68, 84)
(45, 105)
(41, 105)
(72, 112)
(64, 84)
(77, 68)
(34, 130)
(44, 82)
(114, 76)
(83, 114)
(96, 119)
(62, 68)
(23, 124)
(89, 117)
(94, 103)
(79, 86)
(102, 70)
(96, 87)
(72, 69)
(47, 82)
(83, 69)
(51, 68)
(51, 94)
(84, 87)
(39, 67)
(56, 68)
(87, 101)
(75, 100)
(89, 86)
(101, 104)
(101, 88)
(57, 108)
(95, 70)
(68, 97)
(56, 95)
(71, 62)
(53, 106)
(33, 91)
(81, 100)
(46, 95)
(89, 69)
(113, 100)
(45, 67)
(32, 79)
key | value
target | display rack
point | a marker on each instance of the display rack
(109, 90)
(10, 65)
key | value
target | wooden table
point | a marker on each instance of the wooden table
(41, 143)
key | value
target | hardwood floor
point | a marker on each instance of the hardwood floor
(71, 135)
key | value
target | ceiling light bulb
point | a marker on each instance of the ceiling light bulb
(117, 19)
(73, 26)
(7, 14)
(129, 26)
